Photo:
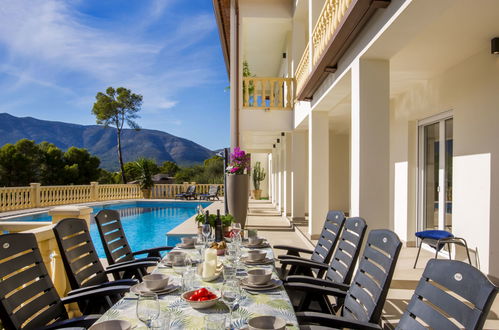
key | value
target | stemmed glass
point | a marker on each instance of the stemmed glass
(181, 263)
(231, 294)
(206, 230)
(236, 229)
(148, 308)
(199, 245)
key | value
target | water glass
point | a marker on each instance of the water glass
(229, 271)
(214, 322)
(188, 278)
(231, 294)
(148, 308)
(181, 263)
(236, 228)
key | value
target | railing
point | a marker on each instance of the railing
(327, 24)
(303, 69)
(118, 191)
(57, 195)
(268, 93)
(16, 198)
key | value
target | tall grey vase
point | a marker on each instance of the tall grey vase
(237, 196)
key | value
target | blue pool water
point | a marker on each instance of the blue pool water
(145, 223)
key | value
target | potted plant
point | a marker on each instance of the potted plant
(227, 220)
(258, 176)
(144, 168)
(238, 185)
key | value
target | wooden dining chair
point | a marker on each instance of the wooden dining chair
(82, 264)
(339, 271)
(116, 244)
(323, 249)
(29, 299)
(364, 299)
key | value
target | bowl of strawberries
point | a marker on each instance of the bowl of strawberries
(201, 298)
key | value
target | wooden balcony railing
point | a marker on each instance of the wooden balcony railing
(338, 24)
(268, 93)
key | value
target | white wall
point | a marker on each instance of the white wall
(471, 90)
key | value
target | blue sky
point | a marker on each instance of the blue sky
(56, 55)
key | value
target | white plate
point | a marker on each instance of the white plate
(259, 246)
(141, 288)
(212, 278)
(264, 261)
(112, 325)
(185, 246)
(273, 283)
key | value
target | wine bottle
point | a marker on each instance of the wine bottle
(218, 228)
(207, 217)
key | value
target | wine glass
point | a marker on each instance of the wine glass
(236, 228)
(231, 293)
(199, 245)
(181, 263)
(206, 230)
(148, 308)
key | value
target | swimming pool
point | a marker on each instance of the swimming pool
(145, 223)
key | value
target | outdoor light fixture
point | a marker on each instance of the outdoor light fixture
(282, 133)
(278, 140)
(495, 46)
(274, 145)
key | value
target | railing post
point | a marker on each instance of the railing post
(94, 191)
(35, 194)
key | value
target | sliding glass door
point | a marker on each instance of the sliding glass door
(435, 173)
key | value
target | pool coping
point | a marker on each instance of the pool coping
(189, 226)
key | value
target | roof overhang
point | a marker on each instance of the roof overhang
(222, 16)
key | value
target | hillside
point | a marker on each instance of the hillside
(101, 141)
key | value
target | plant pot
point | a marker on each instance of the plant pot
(146, 193)
(237, 196)
(257, 194)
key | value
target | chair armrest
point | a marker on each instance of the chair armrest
(102, 292)
(154, 252)
(316, 281)
(311, 288)
(127, 282)
(293, 249)
(303, 263)
(130, 266)
(84, 322)
(153, 259)
(334, 321)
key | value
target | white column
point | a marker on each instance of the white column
(287, 175)
(278, 176)
(298, 173)
(318, 171)
(369, 162)
(273, 181)
(282, 157)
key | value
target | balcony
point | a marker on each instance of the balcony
(338, 25)
(268, 93)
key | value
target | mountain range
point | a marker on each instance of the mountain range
(102, 142)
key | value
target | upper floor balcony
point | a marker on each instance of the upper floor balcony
(270, 93)
(337, 26)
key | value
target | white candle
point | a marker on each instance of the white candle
(209, 268)
(210, 254)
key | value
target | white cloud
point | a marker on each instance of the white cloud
(50, 41)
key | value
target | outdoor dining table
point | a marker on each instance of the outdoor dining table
(182, 316)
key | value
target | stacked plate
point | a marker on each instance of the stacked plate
(272, 284)
(185, 246)
(264, 261)
(141, 288)
(263, 244)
